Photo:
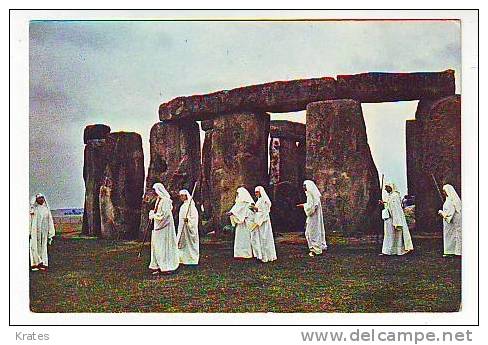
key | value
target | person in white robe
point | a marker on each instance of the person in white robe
(41, 232)
(188, 240)
(397, 239)
(164, 249)
(241, 217)
(262, 231)
(314, 228)
(451, 216)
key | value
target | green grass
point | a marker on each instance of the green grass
(106, 276)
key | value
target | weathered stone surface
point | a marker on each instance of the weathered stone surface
(287, 129)
(390, 87)
(294, 95)
(235, 154)
(175, 161)
(423, 108)
(440, 134)
(340, 162)
(286, 171)
(96, 156)
(121, 194)
(414, 150)
(205, 189)
(97, 131)
(285, 216)
(278, 96)
(206, 125)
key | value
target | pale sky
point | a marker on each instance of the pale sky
(118, 73)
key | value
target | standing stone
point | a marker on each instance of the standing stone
(440, 133)
(287, 129)
(286, 171)
(96, 155)
(206, 170)
(175, 162)
(285, 161)
(235, 154)
(340, 162)
(122, 189)
(414, 150)
(94, 132)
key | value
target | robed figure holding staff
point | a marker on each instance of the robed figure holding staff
(314, 230)
(164, 250)
(188, 240)
(41, 232)
(262, 233)
(241, 217)
(397, 239)
(451, 218)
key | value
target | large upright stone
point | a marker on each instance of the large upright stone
(285, 151)
(416, 179)
(440, 133)
(96, 155)
(286, 172)
(235, 154)
(122, 189)
(175, 161)
(340, 162)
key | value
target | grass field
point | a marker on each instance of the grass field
(88, 275)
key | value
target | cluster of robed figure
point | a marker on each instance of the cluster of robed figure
(250, 219)
(396, 235)
(253, 230)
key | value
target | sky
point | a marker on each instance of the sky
(118, 73)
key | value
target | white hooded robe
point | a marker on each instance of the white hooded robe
(41, 231)
(397, 239)
(451, 214)
(164, 250)
(314, 228)
(262, 235)
(242, 219)
(188, 239)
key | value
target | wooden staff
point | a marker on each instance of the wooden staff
(437, 187)
(191, 198)
(378, 235)
(382, 184)
(147, 230)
